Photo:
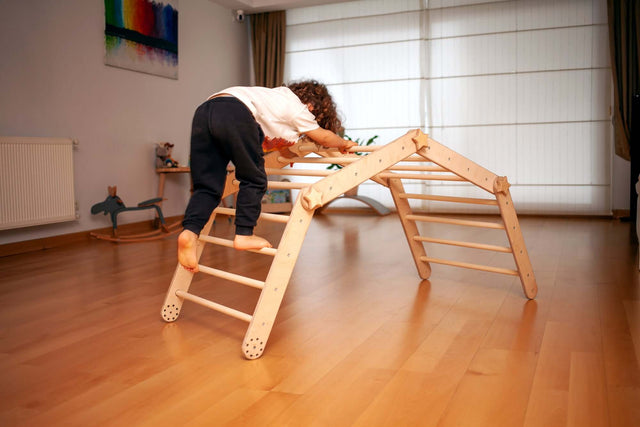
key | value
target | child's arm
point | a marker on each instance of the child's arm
(328, 139)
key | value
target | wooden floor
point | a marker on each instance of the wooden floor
(359, 341)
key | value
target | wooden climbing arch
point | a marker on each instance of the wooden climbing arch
(382, 165)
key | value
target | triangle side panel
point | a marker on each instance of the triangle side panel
(458, 164)
(410, 228)
(516, 240)
(277, 280)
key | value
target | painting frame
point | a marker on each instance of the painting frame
(142, 36)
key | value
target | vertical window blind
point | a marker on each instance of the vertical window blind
(520, 87)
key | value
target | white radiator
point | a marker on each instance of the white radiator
(36, 181)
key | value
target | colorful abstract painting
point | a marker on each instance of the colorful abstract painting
(142, 35)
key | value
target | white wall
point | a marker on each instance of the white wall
(54, 83)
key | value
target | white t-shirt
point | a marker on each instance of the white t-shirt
(278, 111)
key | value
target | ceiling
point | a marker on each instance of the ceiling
(256, 6)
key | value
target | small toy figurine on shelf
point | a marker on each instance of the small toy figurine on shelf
(163, 156)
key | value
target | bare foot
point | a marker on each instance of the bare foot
(243, 243)
(187, 245)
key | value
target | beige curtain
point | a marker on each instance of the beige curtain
(268, 32)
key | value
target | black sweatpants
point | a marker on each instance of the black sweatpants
(224, 130)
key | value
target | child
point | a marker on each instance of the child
(238, 124)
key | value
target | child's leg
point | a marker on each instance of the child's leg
(208, 173)
(244, 142)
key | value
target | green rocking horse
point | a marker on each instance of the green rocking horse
(113, 205)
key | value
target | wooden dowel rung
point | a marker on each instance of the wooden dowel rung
(428, 177)
(463, 244)
(298, 172)
(417, 168)
(282, 185)
(453, 221)
(320, 160)
(214, 306)
(365, 149)
(287, 185)
(339, 159)
(471, 266)
(231, 276)
(229, 244)
(358, 149)
(225, 211)
(416, 159)
(266, 216)
(453, 199)
(275, 217)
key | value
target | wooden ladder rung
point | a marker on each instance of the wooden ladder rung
(471, 266)
(470, 200)
(231, 276)
(264, 215)
(229, 244)
(416, 159)
(214, 306)
(358, 149)
(287, 185)
(463, 244)
(340, 160)
(428, 177)
(320, 160)
(298, 172)
(481, 224)
(414, 168)
(282, 185)
(364, 149)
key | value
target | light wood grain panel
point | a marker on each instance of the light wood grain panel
(360, 339)
(493, 391)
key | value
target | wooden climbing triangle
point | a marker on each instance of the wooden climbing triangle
(386, 165)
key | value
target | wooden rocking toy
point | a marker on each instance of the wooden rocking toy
(113, 205)
(387, 165)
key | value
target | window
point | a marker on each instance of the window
(520, 87)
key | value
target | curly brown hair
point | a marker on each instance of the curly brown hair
(323, 107)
